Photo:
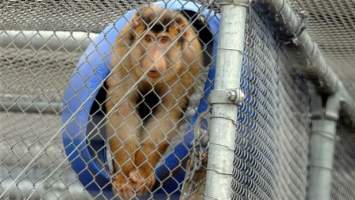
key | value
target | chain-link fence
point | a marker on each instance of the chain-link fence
(135, 111)
(272, 144)
(46, 48)
(331, 25)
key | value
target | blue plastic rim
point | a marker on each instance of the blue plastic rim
(89, 76)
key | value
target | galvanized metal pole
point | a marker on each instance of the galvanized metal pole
(315, 67)
(322, 146)
(322, 75)
(67, 41)
(28, 105)
(224, 99)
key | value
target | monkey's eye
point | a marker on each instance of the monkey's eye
(148, 38)
(164, 39)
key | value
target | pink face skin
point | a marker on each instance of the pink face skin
(160, 58)
(155, 60)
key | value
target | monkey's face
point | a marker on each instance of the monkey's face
(158, 57)
(159, 40)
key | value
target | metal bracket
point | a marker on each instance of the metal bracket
(227, 96)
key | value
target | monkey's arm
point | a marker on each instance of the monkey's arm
(122, 127)
(159, 131)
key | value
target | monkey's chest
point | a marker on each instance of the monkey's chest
(147, 103)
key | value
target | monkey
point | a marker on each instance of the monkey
(158, 52)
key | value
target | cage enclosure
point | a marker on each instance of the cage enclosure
(290, 133)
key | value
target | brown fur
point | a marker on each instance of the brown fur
(166, 59)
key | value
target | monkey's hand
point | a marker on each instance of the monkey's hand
(142, 181)
(123, 187)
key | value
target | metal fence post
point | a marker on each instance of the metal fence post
(322, 146)
(225, 98)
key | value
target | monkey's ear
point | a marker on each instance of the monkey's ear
(143, 13)
(136, 20)
(137, 25)
(182, 24)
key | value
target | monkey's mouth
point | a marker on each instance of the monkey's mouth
(153, 73)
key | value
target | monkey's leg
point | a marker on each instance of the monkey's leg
(123, 126)
(159, 129)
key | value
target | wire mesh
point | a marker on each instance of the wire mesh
(273, 122)
(343, 175)
(40, 50)
(272, 144)
(331, 25)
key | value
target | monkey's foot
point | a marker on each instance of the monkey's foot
(123, 187)
(142, 183)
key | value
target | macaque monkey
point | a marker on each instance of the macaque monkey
(157, 53)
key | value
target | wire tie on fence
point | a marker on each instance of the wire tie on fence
(218, 172)
(234, 122)
(320, 166)
(224, 146)
(327, 135)
(231, 49)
